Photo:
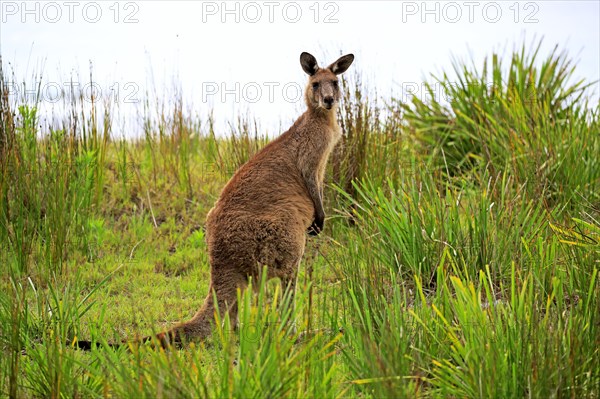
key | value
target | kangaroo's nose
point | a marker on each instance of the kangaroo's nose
(328, 101)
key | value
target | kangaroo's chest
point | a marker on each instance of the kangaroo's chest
(333, 136)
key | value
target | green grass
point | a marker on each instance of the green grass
(460, 256)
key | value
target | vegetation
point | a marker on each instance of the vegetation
(460, 256)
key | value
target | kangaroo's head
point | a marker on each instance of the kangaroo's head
(322, 91)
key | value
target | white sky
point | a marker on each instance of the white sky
(247, 59)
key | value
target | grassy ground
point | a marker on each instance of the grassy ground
(460, 256)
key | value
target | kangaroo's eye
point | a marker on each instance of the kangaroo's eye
(315, 85)
(335, 83)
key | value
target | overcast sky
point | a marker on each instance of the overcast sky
(244, 56)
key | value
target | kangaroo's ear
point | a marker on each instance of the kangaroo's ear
(341, 64)
(309, 63)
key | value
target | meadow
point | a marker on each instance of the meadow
(460, 256)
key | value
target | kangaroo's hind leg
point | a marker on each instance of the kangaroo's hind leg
(288, 274)
(225, 284)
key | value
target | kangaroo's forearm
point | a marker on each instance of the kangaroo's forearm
(315, 193)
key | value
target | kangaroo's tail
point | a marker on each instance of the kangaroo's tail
(198, 327)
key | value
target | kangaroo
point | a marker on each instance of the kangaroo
(264, 212)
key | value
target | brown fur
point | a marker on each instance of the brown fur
(265, 210)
